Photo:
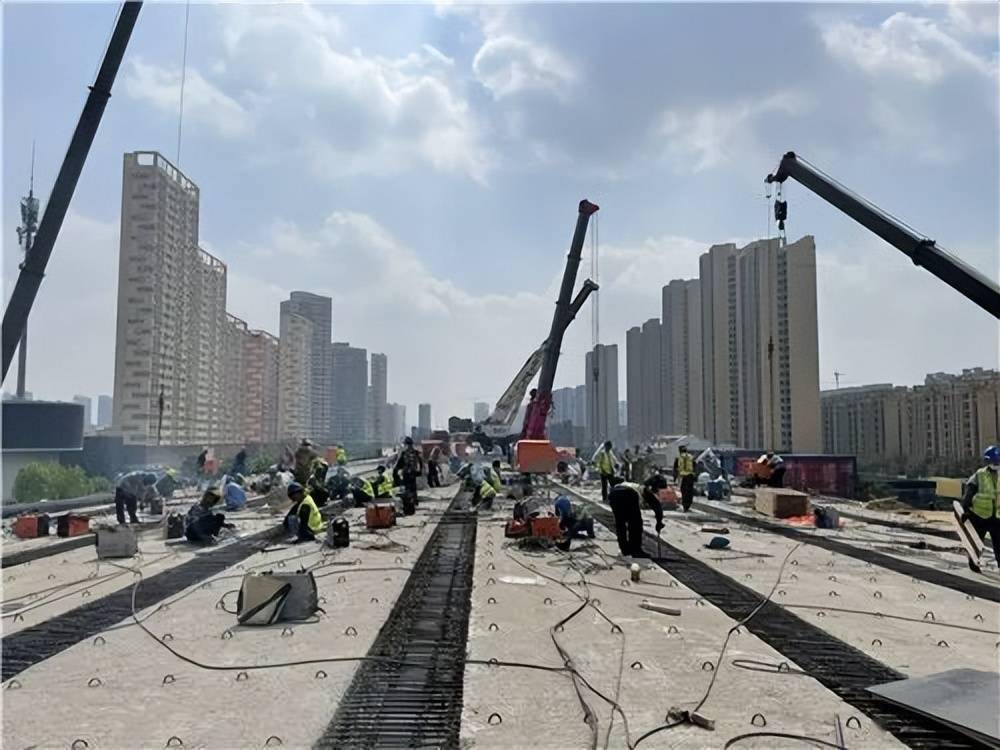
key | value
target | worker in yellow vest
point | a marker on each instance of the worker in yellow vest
(484, 495)
(383, 483)
(605, 460)
(981, 503)
(303, 517)
(341, 455)
(684, 475)
(362, 491)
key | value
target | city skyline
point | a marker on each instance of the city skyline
(503, 198)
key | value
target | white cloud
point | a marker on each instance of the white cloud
(204, 104)
(711, 136)
(905, 46)
(72, 324)
(975, 18)
(508, 65)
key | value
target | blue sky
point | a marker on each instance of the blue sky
(422, 165)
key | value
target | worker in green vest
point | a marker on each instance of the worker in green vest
(981, 503)
(303, 518)
(684, 475)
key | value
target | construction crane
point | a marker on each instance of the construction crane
(922, 250)
(546, 358)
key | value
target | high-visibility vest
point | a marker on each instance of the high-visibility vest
(637, 488)
(604, 463)
(315, 518)
(685, 464)
(486, 491)
(366, 487)
(984, 503)
(494, 479)
(385, 486)
(341, 456)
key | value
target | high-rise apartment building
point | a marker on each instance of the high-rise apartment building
(480, 411)
(318, 310)
(760, 361)
(171, 310)
(940, 426)
(380, 392)
(396, 421)
(580, 407)
(85, 402)
(683, 399)
(262, 353)
(350, 385)
(602, 393)
(105, 411)
(646, 386)
(295, 392)
(633, 383)
(423, 422)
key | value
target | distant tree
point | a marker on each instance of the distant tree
(260, 464)
(52, 481)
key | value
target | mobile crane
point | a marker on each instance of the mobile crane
(922, 250)
(546, 357)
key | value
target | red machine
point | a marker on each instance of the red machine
(380, 515)
(72, 525)
(31, 526)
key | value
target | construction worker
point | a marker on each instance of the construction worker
(383, 483)
(627, 465)
(233, 493)
(316, 484)
(409, 465)
(130, 490)
(484, 495)
(573, 519)
(362, 491)
(341, 455)
(433, 472)
(492, 475)
(981, 502)
(776, 468)
(605, 461)
(304, 518)
(304, 456)
(684, 475)
(625, 499)
(239, 462)
(201, 525)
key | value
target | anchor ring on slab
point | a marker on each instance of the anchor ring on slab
(287, 632)
(783, 667)
(636, 665)
(167, 637)
(673, 584)
(494, 627)
(833, 593)
(374, 600)
(491, 566)
(351, 631)
(14, 685)
(943, 644)
(493, 662)
(548, 600)
(748, 576)
(491, 600)
(322, 600)
(242, 677)
(626, 583)
(51, 576)
(226, 635)
(821, 613)
(559, 628)
(167, 679)
(970, 597)
(877, 642)
(672, 629)
(94, 682)
(175, 742)
(596, 602)
(491, 581)
(921, 595)
(928, 615)
(494, 719)
(699, 603)
(79, 744)
(877, 595)
(872, 579)
(832, 578)
(18, 616)
(616, 628)
(85, 594)
(978, 617)
(795, 562)
(268, 743)
(398, 560)
(793, 577)
(707, 666)
(782, 592)
(341, 579)
(755, 717)
(856, 720)
(320, 674)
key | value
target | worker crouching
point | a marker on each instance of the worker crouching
(362, 491)
(574, 522)
(625, 499)
(201, 525)
(383, 483)
(303, 519)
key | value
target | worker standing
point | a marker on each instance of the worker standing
(303, 459)
(409, 466)
(341, 455)
(239, 463)
(433, 472)
(604, 459)
(627, 466)
(684, 475)
(131, 489)
(303, 518)
(981, 502)
(625, 499)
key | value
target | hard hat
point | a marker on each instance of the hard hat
(307, 442)
(992, 454)
(294, 488)
(380, 467)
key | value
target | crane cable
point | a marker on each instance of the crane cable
(180, 111)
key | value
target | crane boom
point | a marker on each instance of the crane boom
(922, 250)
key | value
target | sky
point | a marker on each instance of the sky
(422, 165)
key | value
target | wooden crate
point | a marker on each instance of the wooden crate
(781, 503)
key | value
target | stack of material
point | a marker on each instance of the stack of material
(781, 503)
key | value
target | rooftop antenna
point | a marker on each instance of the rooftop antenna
(25, 234)
(836, 378)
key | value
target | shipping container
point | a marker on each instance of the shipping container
(808, 472)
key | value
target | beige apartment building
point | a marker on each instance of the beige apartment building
(295, 352)
(682, 358)
(261, 387)
(940, 426)
(171, 309)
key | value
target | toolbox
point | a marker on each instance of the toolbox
(515, 528)
(72, 524)
(380, 515)
(545, 526)
(31, 526)
(174, 526)
(116, 541)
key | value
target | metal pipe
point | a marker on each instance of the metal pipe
(15, 317)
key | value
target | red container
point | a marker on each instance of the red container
(31, 526)
(380, 515)
(808, 472)
(546, 526)
(515, 528)
(72, 525)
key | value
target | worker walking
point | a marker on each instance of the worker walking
(303, 459)
(625, 499)
(409, 466)
(303, 518)
(605, 460)
(627, 466)
(131, 489)
(684, 475)
(433, 472)
(981, 502)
